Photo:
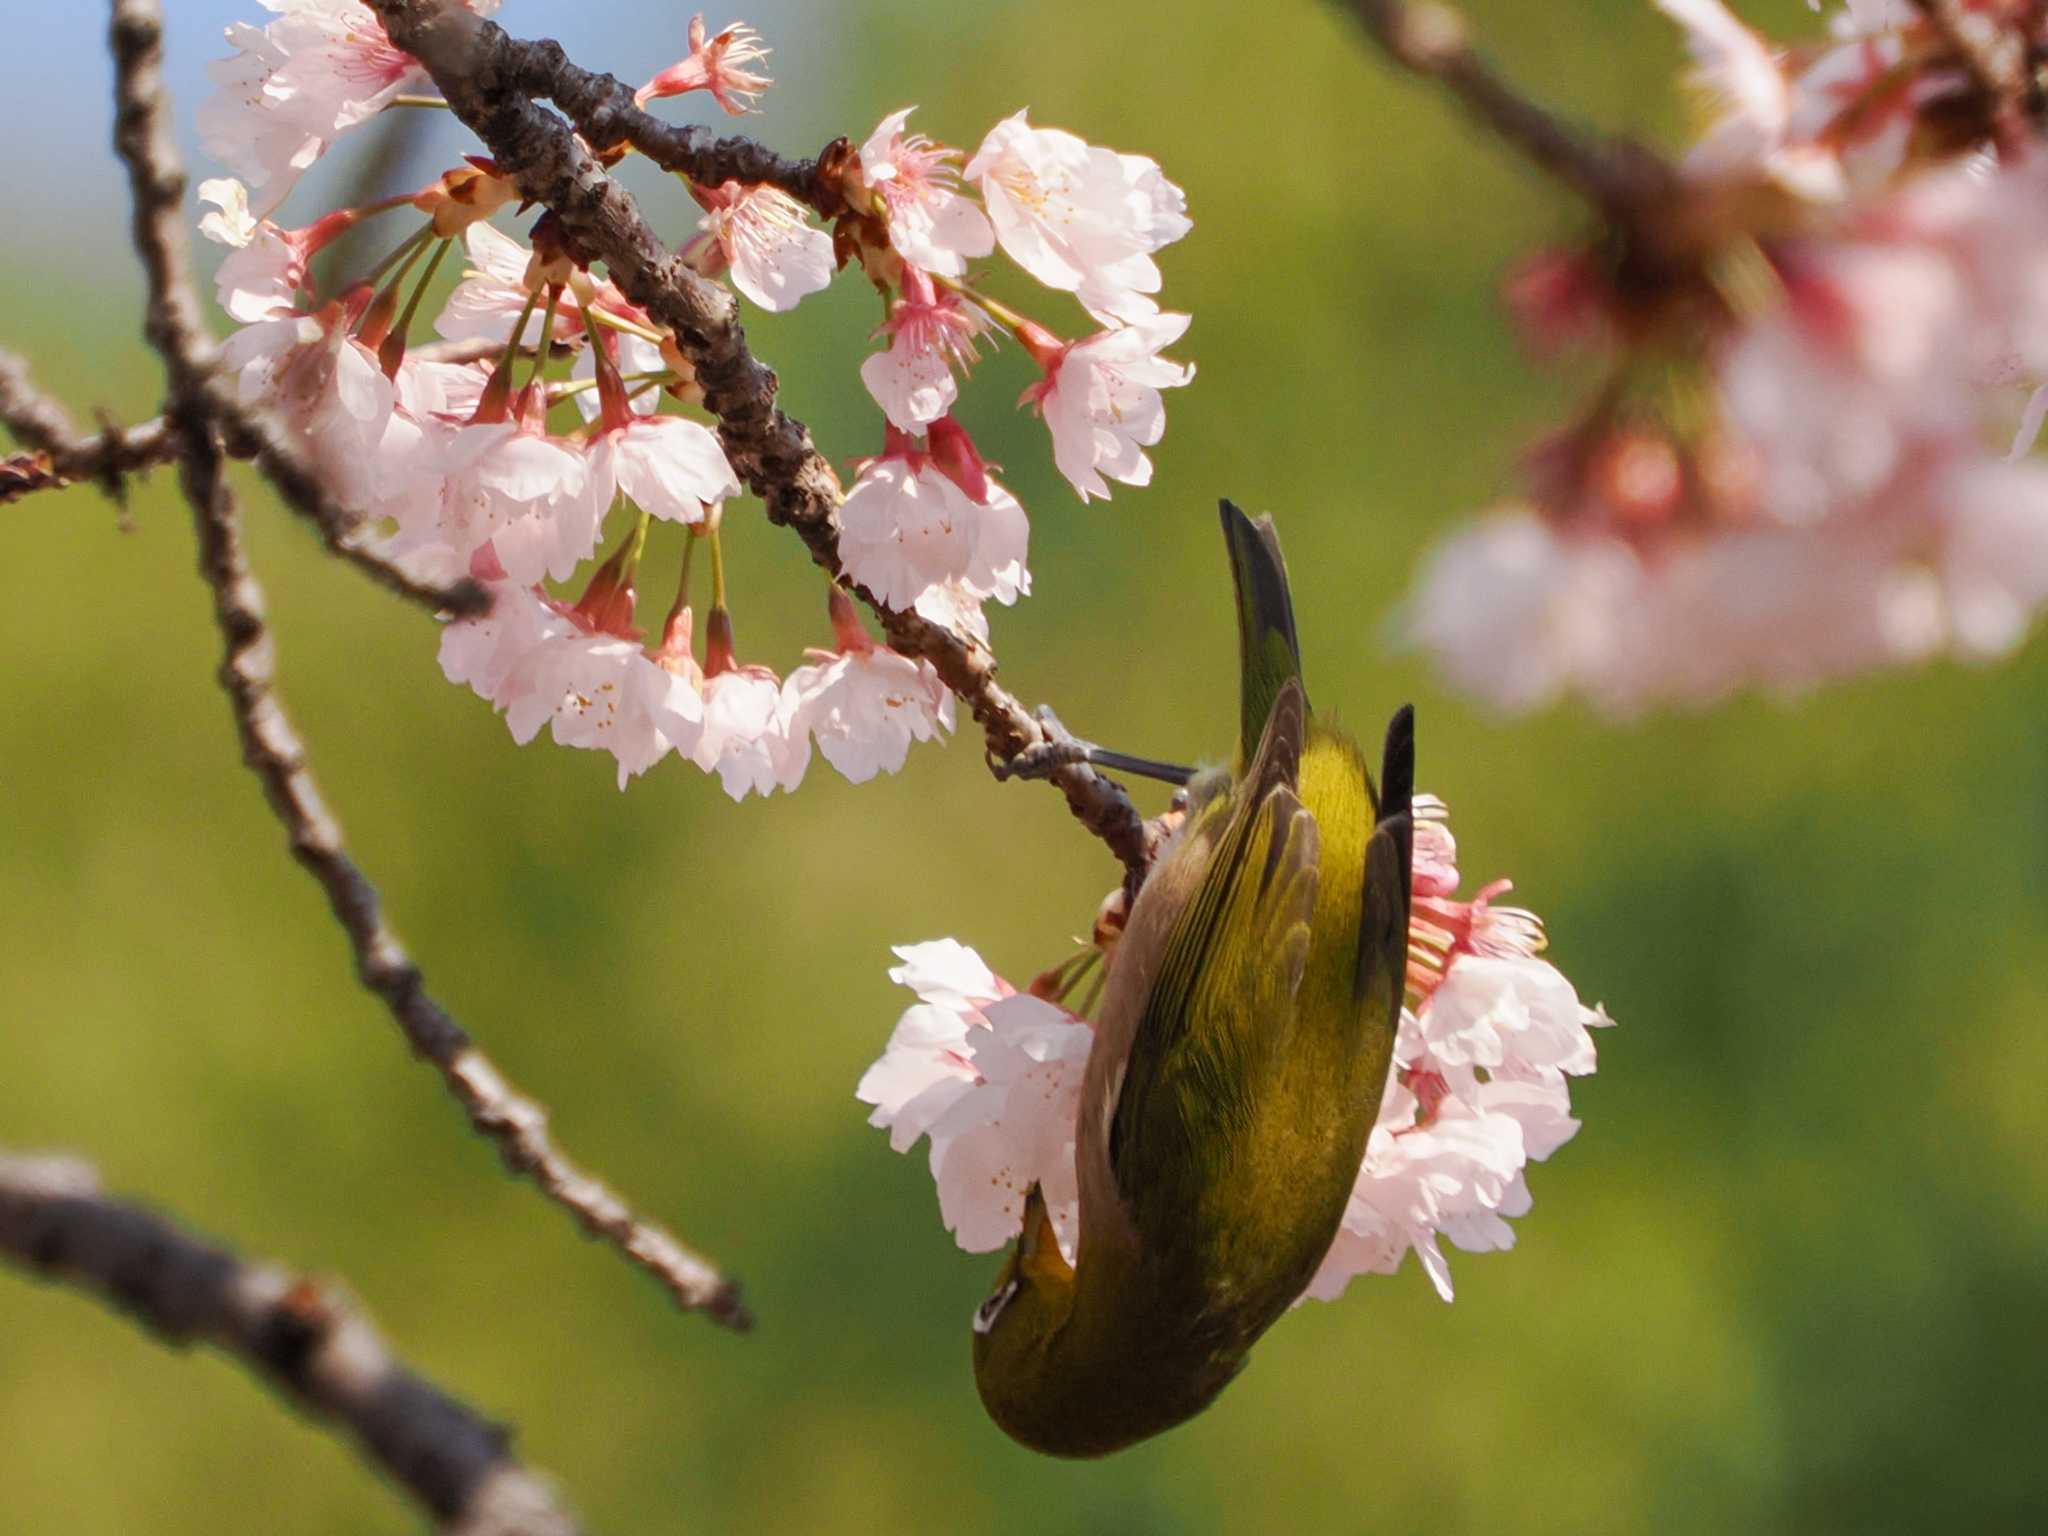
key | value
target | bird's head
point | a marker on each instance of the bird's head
(1019, 1326)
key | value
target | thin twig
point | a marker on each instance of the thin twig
(1619, 177)
(104, 457)
(271, 746)
(299, 1335)
(602, 108)
(472, 61)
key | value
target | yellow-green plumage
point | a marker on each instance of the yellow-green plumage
(1243, 1043)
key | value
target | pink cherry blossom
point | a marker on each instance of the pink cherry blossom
(765, 239)
(865, 704)
(266, 267)
(931, 333)
(1837, 499)
(717, 64)
(1077, 217)
(326, 386)
(865, 708)
(931, 225)
(907, 527)
(294, 86)
(995, 1082)
(1100, 400)
(526, 494)
(541, 665)
(1736, 71)
(665, 465)
(1479, 1088)
(747, 737)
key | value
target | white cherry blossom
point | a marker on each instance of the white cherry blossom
(931, 333)
(765, 239)
(995, 1081)
(907, 527)
(668, 466)
(864, 704)
(930, 223)
(294, 86)
(326, 386)
(527, 495)
(1077, 217)
(1101, 402)
(747, 737)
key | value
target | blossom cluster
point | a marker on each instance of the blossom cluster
(1806, 456)
(553, 420)
(1488, 1041)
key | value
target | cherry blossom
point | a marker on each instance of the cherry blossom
(912, 179)
(1079, 218)
(294, 86)
(669, 467)
(749, 737)
(265, 269)
(1100, 400)
(865, 704)
(542, 664)
(1737, 72)
(327, 387)
(931, 333)
(765, 239)
(715, 64)
(907, 526)
(507, 483)
(994, 1079)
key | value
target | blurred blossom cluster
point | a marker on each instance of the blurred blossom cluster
(1488, 1041)
(1805, 455)
(554, 413)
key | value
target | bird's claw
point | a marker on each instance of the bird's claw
(1061, 748)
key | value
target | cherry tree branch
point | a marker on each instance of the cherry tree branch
(1994, 52)
(601, 107)
(56, 455)
(489, 80)
(270, 744)
(299, 1335)
(1620, 177)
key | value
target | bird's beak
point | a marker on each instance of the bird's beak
(1038, 1246)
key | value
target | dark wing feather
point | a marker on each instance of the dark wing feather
(1389, 868)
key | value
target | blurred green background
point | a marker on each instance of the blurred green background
(1789, 1277)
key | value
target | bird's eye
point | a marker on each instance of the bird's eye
(986, 1314)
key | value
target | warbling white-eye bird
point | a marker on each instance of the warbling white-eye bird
(1244, 1040)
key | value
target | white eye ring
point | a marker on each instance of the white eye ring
(986, 1314)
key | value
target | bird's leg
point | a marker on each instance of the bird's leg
(1062, 748)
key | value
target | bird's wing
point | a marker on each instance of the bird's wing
(1223, 996)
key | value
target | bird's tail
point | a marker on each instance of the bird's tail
(1268, 652)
